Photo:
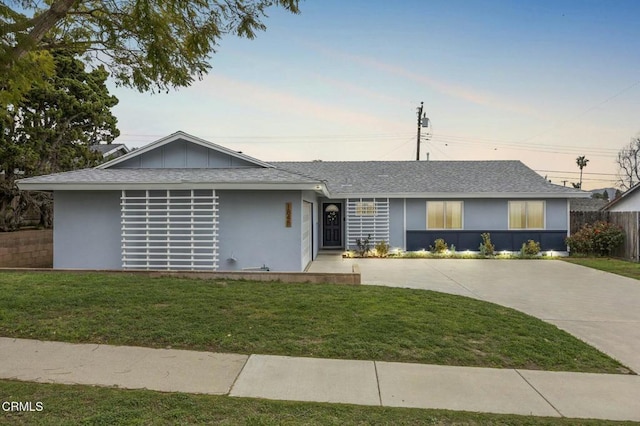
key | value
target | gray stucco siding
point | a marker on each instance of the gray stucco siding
(396, 223)
(252, 231)
(485, 214)
(556, 215)
(86, 230)
(416, 213)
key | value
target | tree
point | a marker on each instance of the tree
(582, 163)
(605, 195)
(151, 45)
(628, 161)
(51, 130)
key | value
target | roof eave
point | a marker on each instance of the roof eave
(457, 195)
(117, 186)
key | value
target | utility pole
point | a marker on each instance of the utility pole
(423, 121)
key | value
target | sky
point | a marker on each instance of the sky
(538, 81)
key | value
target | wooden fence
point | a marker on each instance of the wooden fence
(627, 220)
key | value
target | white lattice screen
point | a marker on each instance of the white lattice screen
(367, 216)
(169, 229)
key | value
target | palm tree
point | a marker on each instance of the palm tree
(582, 163)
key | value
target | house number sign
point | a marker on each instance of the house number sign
(288, 215)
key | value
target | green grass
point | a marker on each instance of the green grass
(329, 321)
(66, 404)
(616, 266)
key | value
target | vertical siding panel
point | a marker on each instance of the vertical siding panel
(363, 225)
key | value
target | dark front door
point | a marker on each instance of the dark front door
(331, 225)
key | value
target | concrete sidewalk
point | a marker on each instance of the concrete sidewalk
(538, 393)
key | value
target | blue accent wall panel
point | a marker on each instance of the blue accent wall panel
(502, 240)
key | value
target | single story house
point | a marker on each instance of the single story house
(184, 203)
(628, 201)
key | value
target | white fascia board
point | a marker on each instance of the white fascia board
(189, 138)
(114, 150)
(284, 186)
(458, 195)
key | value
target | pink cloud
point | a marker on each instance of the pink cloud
(456, 91)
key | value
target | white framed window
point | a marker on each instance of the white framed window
(365, 208)
(444, 214)
(527, 214)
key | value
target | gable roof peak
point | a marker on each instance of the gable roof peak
(181, 135)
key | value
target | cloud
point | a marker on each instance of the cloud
(448, 89)
(270, 99)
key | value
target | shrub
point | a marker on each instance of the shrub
(486, 247)
(530, 248)
(439, 246)
(382, 248)
(364, 245)
(599, 239)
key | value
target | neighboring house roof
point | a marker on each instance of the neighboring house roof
(435, 178)
(622, 198)
(586, 204)
(237, 178)
(180, 135)
(108, 150)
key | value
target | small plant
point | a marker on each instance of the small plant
(600, 239)
(439, 246)
(452, 250)
(382, 249)
(530, 248)
(364, 245)
(486, 247)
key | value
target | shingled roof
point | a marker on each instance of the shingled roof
(119, 178)
(341, 179)
(365, 178)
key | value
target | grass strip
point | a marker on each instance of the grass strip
(327, 321)
(88, 405)
(615, 266)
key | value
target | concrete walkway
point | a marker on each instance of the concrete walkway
(538, 393)
(597, 307)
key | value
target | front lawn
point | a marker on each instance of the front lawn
(616, 266)
(68, 405)
(328, 321)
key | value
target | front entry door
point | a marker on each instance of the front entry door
(331, 225)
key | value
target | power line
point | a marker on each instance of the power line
(575, 117)
(584, 173)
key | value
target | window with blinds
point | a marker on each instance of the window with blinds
(444, 214)
(526, 214)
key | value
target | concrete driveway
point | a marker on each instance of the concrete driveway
(600, 308)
